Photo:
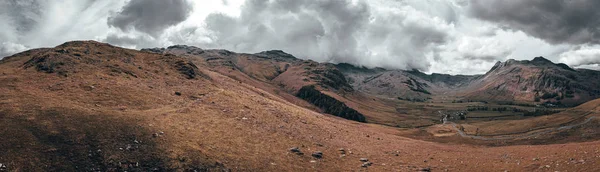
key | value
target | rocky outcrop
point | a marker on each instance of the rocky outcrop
(275, 54)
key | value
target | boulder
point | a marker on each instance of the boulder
(296, 150)
(318, 154)
(342, 151)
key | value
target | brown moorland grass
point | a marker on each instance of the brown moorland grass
(55, 122)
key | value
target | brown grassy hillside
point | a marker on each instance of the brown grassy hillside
(88, 106)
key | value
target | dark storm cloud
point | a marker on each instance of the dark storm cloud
(332, 31)
(150, 16)
(556, 21)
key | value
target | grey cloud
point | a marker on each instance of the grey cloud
(441, 9)
(331, 31)
(556, 21)
(410, 34)
(581, 55)
(18, 18)
(296, 25)
(592, 67)
(35, 23)
(24, 13)
(129, 41)
(150, 16)
(8, 48)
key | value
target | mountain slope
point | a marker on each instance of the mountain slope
(356, 89)
(405, 85)
(538, 80)
(89, 106)
(280, 72)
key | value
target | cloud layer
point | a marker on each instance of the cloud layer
(454, 36)
(557, 21)
(580, 56)
(150, 16)
(26, 24)
(390, 34)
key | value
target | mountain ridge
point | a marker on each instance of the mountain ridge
(548, 77)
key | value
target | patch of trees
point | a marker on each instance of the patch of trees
(478, 108)
(549, 95)
(540, 112)
(465, 101)
(556, 96)
(485, 108)
(536, 112)
(516, 104)
(329, 104)
(569, 93)
(415, 99)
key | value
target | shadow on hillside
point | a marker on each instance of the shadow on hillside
(60, 139)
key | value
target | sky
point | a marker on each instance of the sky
(433, 36)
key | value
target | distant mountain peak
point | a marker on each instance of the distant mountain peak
(275, 53)
(183, 47)
(537, 61)
(497, 65)
(540, 59)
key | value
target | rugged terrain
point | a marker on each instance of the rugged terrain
(538, 80)
(89, 106)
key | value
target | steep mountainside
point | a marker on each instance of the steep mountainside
(279, 72)
(538, 80)
(405, 85)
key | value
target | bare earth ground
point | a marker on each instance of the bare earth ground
(104, 119)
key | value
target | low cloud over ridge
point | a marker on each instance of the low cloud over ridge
(455, 36)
